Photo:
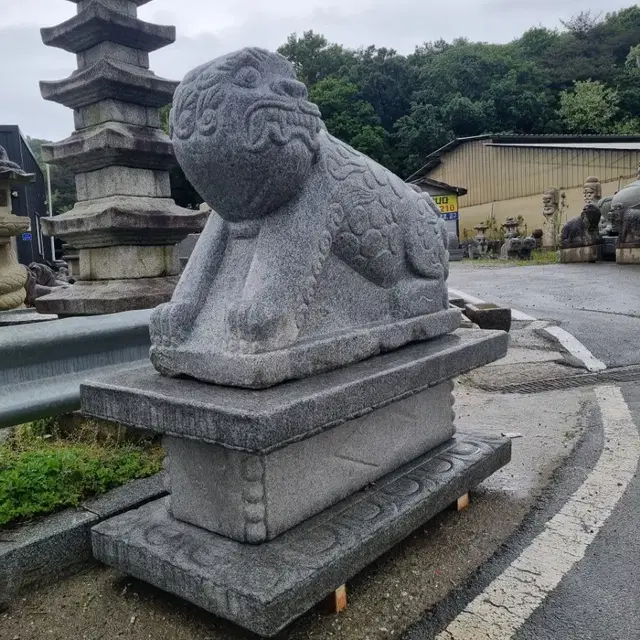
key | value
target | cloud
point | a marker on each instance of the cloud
(207, 29)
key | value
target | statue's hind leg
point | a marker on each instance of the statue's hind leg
(413, 297)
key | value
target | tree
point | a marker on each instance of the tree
(581, 24)
(63, 183)
(348, 117)
(591, 107)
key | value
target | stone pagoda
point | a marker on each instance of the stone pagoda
(125, 226)
(13, 276)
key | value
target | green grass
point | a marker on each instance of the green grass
(538, 258)
(43, 470)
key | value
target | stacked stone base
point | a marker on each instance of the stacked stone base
(592, 253)
(265, 587)
(628, 254)
(279, 496)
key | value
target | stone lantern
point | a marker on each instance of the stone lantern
(13, 276)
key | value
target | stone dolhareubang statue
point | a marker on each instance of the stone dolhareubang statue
(314, 257)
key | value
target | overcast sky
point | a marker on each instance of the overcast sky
(208, 28)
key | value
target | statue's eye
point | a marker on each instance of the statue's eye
(248, 77)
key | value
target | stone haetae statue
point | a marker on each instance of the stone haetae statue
(13, 276)
(315, 256)
(581, 240)
(527, 245)
(625, 217)
(551, 213)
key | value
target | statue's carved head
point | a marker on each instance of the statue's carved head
(245, 133)
(550, 201)
(592, 190)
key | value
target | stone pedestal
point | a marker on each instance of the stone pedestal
(581, 254)
(269, 508)
(125, 225)
(628, 254)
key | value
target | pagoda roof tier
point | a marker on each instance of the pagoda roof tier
(125, 220)
(100, 23)
(110, 79)
(112, 143)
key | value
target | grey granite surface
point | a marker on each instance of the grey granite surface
(256, 497)
(265, 587)
(315, 256)
(262, 420)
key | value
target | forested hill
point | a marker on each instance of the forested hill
(583, 77)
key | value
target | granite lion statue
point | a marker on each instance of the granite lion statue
(289, 200)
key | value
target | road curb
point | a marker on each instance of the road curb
(60, 544)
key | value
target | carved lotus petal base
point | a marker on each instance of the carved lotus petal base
(265, 587)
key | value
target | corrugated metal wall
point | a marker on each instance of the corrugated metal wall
(492, 174)
(31, 200)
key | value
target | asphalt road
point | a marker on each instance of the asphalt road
(560, 577)
(597, 599)
(597, 303)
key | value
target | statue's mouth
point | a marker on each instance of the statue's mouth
(278, 122)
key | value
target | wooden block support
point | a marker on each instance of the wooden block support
(463, 502)
(337, 601)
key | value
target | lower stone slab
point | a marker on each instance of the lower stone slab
(628, 255)
(265, 587)
(581, 254)
(100, 297)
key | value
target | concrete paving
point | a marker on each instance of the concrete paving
(597, 303)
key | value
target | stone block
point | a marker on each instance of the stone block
(122, 181)
(592, 253)
(265, 420)
(265, 587)
(256, 497)
(49, 548)
(489, 316)
(114, 111)
(127, 262)
(628, 255)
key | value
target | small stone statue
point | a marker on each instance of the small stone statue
(551, 213)
(582, 231)
(314, 257)
(592, 190)
(41, 281)
(512, 243)
(526, 248)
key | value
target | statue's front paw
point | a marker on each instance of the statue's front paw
(170, 323)
(262, 325)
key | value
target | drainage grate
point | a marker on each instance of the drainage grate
(623, 374)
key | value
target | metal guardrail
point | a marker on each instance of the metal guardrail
(42, 365)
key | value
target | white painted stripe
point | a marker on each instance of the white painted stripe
(454, 293)
(506, 604)
(520, 316)
(576, 348)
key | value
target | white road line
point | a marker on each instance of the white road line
(523, 317)
(576, 349)
(506, 604)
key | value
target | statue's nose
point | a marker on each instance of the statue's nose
(290, 88)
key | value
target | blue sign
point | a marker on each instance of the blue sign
(26, 237)
(449, 216)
